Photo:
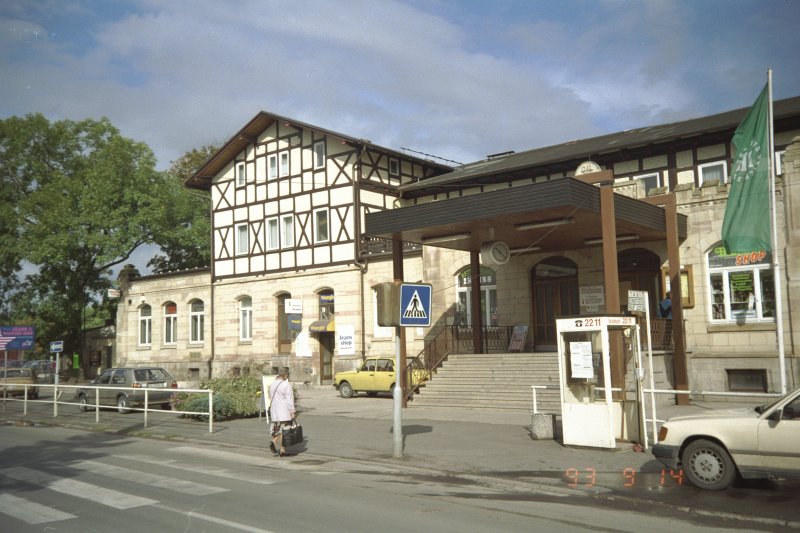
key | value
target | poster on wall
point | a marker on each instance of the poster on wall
(346, 339)
(302, 347)
(592, 297)
(581, 360)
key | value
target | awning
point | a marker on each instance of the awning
(322, 326)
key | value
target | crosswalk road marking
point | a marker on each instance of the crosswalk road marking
(248, 459)
(30, 512)
(153, 480)
(78, 489)
(200, 469)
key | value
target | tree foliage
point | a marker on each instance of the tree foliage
(77, 199)
(185, 235)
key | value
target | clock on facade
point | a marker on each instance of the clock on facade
(495, 253)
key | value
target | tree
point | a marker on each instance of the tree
(77, 199)
(185, 236)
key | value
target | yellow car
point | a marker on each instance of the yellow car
(375, 375)
(16, 379)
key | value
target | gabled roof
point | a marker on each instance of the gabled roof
(587, 148)
(250, 132)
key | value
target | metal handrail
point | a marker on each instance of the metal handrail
(146, 409)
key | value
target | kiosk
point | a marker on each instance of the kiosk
(591, 416)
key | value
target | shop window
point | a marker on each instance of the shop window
(742, 286)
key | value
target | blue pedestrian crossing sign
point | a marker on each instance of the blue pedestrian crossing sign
(415, 304)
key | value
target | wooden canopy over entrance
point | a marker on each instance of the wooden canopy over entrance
(552, 216)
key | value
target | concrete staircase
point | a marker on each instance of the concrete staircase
(499, 381)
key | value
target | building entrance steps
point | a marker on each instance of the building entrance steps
(498, 381)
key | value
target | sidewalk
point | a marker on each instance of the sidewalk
(450, 440)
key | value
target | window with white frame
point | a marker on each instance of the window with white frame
(241, 174)
(170, 323)
(717, 170)
(273, 237)
(145, 325)
(242, 239)
(272, 166)
(245, 319)
(287, 231)
(284, 159)
(651, 181)
(394, 167)
(319, 154)
(196, 321)
(742, 286)
(321, 226)
(779, 158)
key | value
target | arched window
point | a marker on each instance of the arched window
(245, 318)
(488, 296)
(170, 323)
(145, 325)
(196, 321)
(742, 286)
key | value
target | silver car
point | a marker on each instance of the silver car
(125, 388)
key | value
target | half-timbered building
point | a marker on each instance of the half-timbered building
(304, 217)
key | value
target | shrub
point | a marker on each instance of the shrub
(233, 397)
(223, 407)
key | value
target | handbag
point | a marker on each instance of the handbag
(293, 434)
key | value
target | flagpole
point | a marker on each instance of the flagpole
(775, 249)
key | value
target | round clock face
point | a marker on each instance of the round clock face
(495, 253)
(587, 167)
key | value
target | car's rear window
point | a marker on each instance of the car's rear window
(150, 374)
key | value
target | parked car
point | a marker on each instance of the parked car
(715, 448)
(16, 379)
(45, 369)
(125, 388)
(375, 375)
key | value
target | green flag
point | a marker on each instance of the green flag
(746, 227)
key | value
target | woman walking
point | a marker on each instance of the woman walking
(281, 410)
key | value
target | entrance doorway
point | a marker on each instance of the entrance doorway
(326, 343)
(639, 270)
(554, 282)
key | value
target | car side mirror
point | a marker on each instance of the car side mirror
(776, 415)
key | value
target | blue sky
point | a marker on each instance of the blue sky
(458, 79)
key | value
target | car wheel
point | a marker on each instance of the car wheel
(122, 404)
(708, 465)
(345, 390)
(83, 403)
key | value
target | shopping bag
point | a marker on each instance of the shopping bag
(293, 434)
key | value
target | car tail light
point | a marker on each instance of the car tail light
(662, 434)
(136, 386)
(174, 385)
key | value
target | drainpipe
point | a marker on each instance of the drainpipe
(362, 265)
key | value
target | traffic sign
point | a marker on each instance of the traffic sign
(57, 346)
(415, 304)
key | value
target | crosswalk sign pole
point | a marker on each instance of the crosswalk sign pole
(397, 395)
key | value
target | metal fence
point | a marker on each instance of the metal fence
(59, 393)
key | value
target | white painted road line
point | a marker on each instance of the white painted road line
(147, 479)
(30, 512)
(78, 489)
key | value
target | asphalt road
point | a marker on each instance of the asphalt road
(450, 458)
(65, 480)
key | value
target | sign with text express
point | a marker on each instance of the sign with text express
(415, 304)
